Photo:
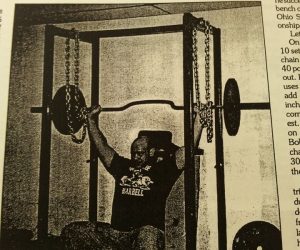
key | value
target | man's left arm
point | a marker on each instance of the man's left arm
(180, 153)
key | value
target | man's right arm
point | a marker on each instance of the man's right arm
(105, 152)
(180, 153)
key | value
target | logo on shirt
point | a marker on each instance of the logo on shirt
(137, 182)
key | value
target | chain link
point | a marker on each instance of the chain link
(195, 69)
(76, 68)
(204, 109)
(209, 110)
(68, 88)
(72, 100)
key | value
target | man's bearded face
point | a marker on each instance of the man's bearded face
(140, 152)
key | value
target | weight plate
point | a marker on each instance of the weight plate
(59, 110)
(257, 235)
(232, 111)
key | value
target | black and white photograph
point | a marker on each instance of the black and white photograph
(140, 126)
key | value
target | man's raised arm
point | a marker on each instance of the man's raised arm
(105, 152)
(197, 130)
(180, 153)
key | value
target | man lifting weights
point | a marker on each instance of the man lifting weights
(142, 185)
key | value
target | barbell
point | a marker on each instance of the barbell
(231, 107)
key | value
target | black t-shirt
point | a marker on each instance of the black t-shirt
(140, 194)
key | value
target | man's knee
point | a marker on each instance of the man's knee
(84, 235)
(149, 237)
(76, 228)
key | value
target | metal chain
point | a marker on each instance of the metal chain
(207, 62)
(196, 72)
(204, 109)
(67, 61)
(68, 88)
(74, 102)
(209, 110)
(76, 69)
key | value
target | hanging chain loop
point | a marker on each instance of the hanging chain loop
(205, 109)
(195, 70)
(209, 110)
(72, 100)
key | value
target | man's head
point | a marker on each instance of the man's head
(141, 151)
